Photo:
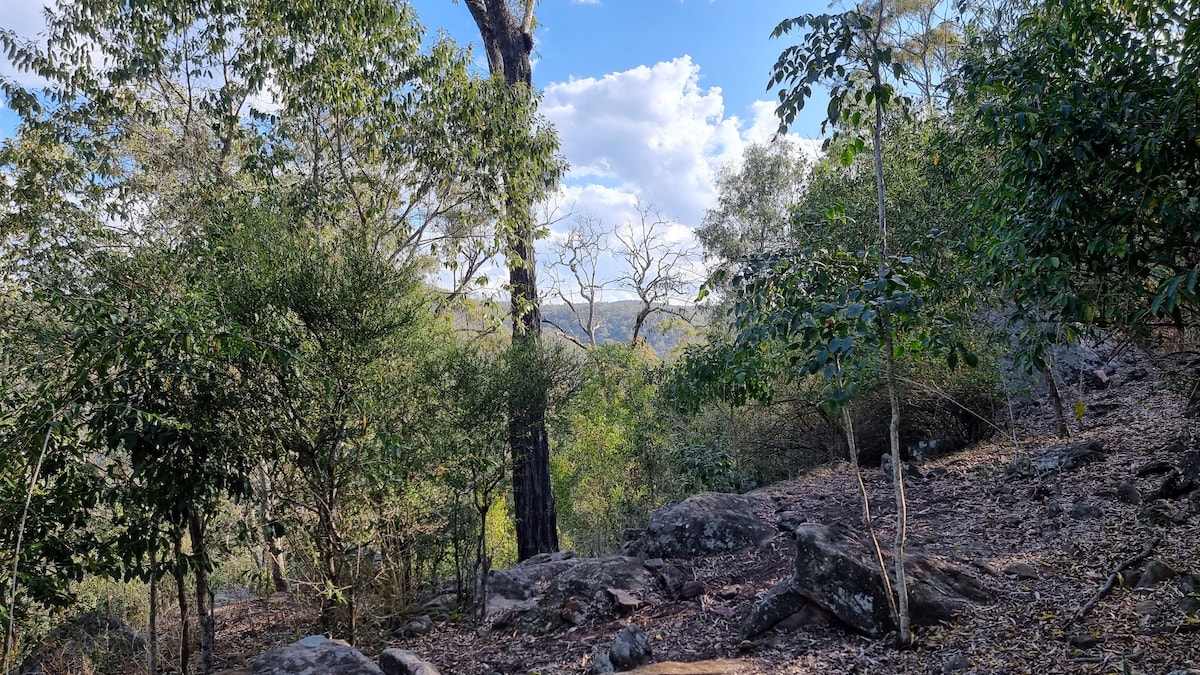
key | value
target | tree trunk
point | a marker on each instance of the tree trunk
(1060, 416)
(508, 45)
(204, 598)
(153, 665)
(868, 523)
(185, 638)
(272, 546)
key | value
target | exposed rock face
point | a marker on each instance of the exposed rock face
(835, 570)
(516, 586)
(404, 662)
(315, 654)
(587, 588)
(703, 524)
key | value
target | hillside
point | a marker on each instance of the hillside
(1043, 543)
(614, 322)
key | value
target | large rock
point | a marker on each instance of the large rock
(630, 649)
(404, 662)
(315, 654)
(837, 571)
(515, 587)
(73, 643)
(589, 588)
(703, 524)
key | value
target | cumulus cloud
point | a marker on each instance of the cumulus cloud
(652, 135)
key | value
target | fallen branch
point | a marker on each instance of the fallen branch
(1112, 579)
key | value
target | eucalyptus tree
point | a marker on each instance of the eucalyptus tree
(533, 170)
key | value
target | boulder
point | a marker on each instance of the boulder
(630, 649)
(838, 572)
(783, 600)
(1067, 457)
(315, 654)
(703, 524)
(73, 643)
(514, 587)
(404, 662)
(589, 588)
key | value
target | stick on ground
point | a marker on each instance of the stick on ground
(1112, 579)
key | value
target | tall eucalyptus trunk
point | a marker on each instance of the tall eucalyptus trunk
(508, 44)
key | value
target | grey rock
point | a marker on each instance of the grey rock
(1066, 457)
(1155, 572)
(1128, 493)
(1022, 571)
(835, 570)
(315, 654)
(630, 649)
(515, 587)
(603, 664)
(404, 662)
(703, 524)
(589, 588)
(955, 663)
(783, 600)
(417, 627)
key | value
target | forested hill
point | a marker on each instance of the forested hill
(614, 323)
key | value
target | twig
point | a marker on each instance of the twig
(1112, 579)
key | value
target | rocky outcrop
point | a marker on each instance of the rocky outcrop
(588, 588)
(703, 524)
(315, 654)
(837, 572)
(515, 587)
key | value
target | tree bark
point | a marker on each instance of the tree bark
(185, 638)
(508, 45)
(204, 598)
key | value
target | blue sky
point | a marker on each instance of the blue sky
(650, 97)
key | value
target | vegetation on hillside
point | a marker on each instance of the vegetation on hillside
(221, 362)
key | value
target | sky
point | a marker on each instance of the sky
(650, 98)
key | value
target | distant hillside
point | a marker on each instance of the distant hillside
(614, 322)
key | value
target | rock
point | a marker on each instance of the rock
(673, 579)
(1096, 379)
(1128, 493)
(1155, 572)
(72, 644)
(1190, 602)
(1084, 511)
(835, 570)
(589, 588)
(417, 627)
(692, 589)
(788, 521)
(1066, 457)
(1084, 641)
(703, 524)
(315, 654)
(603, 664)
(513, 588)
(1022, 571)
(630, 649)
(781, 601)
(910, 471)
(1054, 508)
(1154, 468)
(404, 662)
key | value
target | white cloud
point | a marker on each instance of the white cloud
(25, 18)
(653, 134)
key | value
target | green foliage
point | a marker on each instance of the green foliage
(1092, 111)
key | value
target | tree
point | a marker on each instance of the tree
(848, 51)
(508, 44)
(655, 270)
(1094, 121)
(580, 253)
(755, 202)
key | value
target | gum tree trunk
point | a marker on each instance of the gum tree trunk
(508, 44)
